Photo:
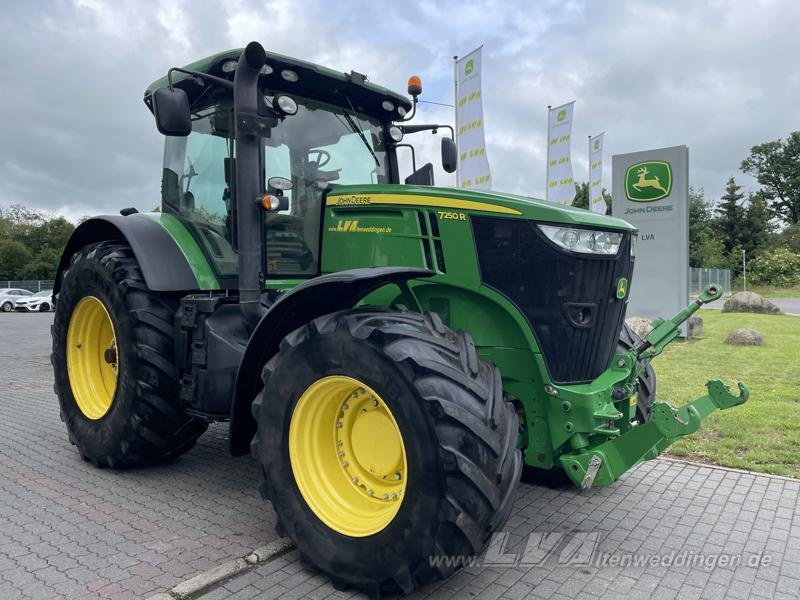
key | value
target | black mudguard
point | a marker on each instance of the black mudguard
(309, 300)
(164, 267)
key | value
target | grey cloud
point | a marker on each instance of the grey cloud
(720, 77)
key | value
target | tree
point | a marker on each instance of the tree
(731, 215)
(41, 235)
(13, 258)
(705, 245)
(757, 224)
(582, 197)
(776, 166)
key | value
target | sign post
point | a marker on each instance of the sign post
(651, 191)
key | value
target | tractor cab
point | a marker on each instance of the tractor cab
(317, 128)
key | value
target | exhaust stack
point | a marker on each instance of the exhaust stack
(248, 184)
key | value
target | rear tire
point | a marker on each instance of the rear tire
(458, 432)
(44, 307)
(6, 307)
(141, 422)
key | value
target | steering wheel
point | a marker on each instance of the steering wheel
(323, 157)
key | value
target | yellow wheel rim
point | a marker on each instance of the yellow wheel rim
(347, 456)
(92, 362)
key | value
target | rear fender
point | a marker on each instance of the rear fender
(306, 302)
(163, 264)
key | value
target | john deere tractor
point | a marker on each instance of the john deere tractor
(390, 352)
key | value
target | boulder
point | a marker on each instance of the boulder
(744, 337)
(749, 302)
(640, 326)
(695, 325)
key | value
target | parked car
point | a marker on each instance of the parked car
(9, 296)
(40, 301)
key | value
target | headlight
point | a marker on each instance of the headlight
(585, 241)
(284, 105)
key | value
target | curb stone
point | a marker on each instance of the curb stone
(202, 582)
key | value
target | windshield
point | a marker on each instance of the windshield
(320, 145)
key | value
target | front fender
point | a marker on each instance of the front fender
(309, 300)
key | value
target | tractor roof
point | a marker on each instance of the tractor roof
(311, 76)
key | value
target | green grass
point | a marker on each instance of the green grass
(763, 434)
(772, 292)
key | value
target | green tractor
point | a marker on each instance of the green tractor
(391, 353)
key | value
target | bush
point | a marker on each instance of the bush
(779, 267)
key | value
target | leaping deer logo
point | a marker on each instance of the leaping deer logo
(643, 182)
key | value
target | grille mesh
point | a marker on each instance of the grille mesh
(569, 299)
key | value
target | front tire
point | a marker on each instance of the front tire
(646, 392)
(386, 446)
(113, 362)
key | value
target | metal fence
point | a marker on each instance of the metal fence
(31, 285)
(699, 278)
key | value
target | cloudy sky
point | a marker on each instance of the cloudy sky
(717, 76)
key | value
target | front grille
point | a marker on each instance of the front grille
(569, 299)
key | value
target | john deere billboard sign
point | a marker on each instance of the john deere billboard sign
(651, 191)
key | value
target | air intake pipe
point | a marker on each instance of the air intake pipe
(248, 183)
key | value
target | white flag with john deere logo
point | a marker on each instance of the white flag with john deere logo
(596, 201)
(473, 165)
(560, 184)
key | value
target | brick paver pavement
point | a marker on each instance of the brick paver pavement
(70, 530)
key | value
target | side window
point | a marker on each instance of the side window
(195, 186)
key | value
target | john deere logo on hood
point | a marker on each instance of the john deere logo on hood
(648, 181)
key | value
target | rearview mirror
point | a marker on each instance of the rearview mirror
(171, 109)
(449, 155)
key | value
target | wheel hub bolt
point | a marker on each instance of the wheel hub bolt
(374, 402)
(386, 496)
(397, 476)
(370, 492)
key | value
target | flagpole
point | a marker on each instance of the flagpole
(455, 109)
(590, 174)
(547, 165)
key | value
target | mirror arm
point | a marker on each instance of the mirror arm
(212, 78)
(413, 155)
(431, 127)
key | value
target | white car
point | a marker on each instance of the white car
(40, 301)
(8, 296)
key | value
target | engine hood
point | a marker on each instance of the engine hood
(497, 203)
